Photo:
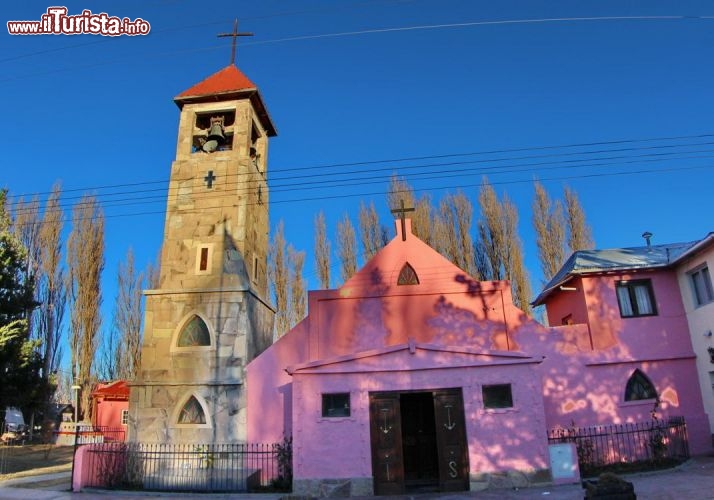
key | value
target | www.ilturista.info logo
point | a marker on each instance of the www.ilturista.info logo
(57, 22)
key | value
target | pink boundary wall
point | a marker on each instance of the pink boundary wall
(581, 381)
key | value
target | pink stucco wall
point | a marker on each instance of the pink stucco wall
(568, 303)
(498, 440)
(586, 387)
(108, 412)
(371, 311)
(582, 379)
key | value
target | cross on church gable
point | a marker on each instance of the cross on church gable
(234, 34)
(401, 212)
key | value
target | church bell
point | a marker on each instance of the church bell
(215, 132)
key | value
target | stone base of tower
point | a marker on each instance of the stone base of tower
(191, 386)
(157, 408)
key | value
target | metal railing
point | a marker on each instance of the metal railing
(87, 433)
(181, 467)
(644, 444)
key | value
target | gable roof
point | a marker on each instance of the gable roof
(435, 273)
(226, 84)
(616, 259)
(117, 389)
(413, 356)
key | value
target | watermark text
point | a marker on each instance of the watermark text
(56, 21)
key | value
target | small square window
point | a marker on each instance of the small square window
(635, 298)
(124, 417)
(497, 396)
(701, 286)
(336, 405)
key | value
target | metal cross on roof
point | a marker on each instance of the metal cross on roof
(234, 34)
(401, 211)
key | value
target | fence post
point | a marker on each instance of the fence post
(74, 454)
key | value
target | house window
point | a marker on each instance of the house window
(635, 298)
(639, 387)
(194, 334)
(336, 405)
(497, 396)
(702, 286)
(124, 417)
(192, 412)
(407, 276)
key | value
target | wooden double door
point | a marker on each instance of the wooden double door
(418, 441)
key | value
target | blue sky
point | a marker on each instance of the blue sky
(466, 77)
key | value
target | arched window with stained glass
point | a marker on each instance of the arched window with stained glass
(192, 412)
(407, 276)
(194, 333)
(639, 387)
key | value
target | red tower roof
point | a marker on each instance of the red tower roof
(226, 84)
(229, 79)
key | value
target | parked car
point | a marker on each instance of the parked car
(14, 427)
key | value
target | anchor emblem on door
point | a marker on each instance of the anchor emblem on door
(449, 424)
(386, 428)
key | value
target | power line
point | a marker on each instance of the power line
(361, 32)
(476, 23)
(361, 181)
(322, 167)
(424, 190)
(246, 189)
(183, 28)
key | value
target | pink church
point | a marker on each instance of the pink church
(414, 375)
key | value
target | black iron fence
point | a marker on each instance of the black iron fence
(183, 467)
(627, 446)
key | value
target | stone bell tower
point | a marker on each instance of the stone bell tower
(210, 315)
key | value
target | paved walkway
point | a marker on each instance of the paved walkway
(693, 480)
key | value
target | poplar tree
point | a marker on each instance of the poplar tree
(52, 292)
(372, 235)
(27, 227)
(298, 290)
(346, 248)
(501, 245)
(279, 274)
(85, 262)
(514, 267)
(490, 228)
(549, 225)
(127, 318)
(579, 232)
(322, 251)
(456, 213)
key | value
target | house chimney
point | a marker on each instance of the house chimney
(647, 235)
